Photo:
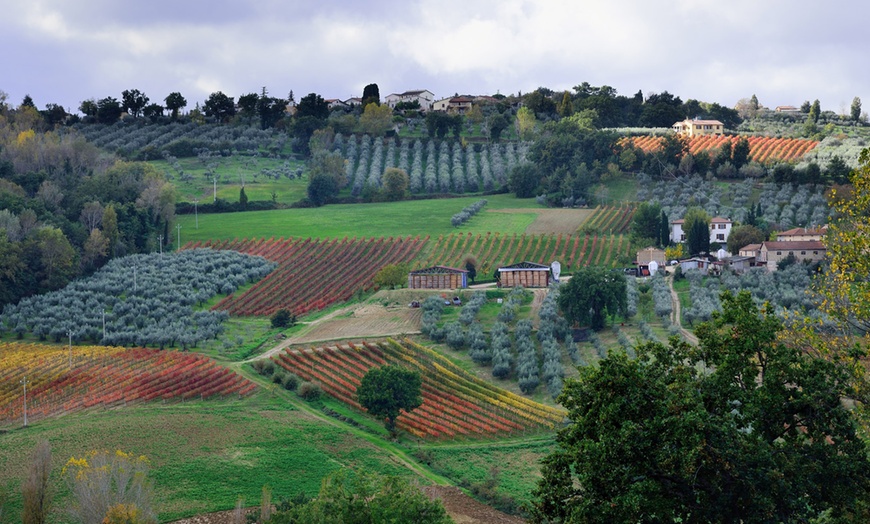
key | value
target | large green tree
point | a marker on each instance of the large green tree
(133, 101)
(174, 103)
(739, 429)
(855, 109)
(219, 106)
(591, 294)
(371, 95)
(314, 105)
(646, 220)
(376, 119)
(744, 235)
(697, 228)
(387, 391)
(524, 179)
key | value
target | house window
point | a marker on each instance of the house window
(778, 253)
(803, 252)
(815, 252)
(682, 238)
(720, 237)
(721, 226)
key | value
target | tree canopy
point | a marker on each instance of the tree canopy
(388, 390)
(740, 429)
(591, 294)
(696, 226)
(363, 498)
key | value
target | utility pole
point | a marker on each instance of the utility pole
(178, 228)
(195, 212)
(24, 381)
(214, 180)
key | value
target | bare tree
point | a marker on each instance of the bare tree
(92, 215)
(35, 490)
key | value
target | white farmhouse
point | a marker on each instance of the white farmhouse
(720, 228)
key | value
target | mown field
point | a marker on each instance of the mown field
(418, 217)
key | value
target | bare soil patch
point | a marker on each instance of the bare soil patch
(465, 510)
(369, 320)
(565, 221)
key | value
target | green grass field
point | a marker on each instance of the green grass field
(204, 455)
(417, 217)
(231, 172)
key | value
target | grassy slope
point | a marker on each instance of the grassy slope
(231, 170)
(419, 217)
(204, 455)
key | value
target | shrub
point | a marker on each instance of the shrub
(290, 381)
(282, 318)
(309, 390)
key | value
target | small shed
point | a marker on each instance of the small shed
(438, 277)
(525, 274)
(651, 254)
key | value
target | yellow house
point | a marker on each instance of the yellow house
(694, 127)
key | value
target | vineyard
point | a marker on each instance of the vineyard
(455, 403)
(62, 381)
(312, 274)
(761, 149)
(492, 250)
(611, 219)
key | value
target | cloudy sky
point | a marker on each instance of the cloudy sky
(784, 51)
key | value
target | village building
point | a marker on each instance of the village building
(720, 228)
(454, 104)
(740, 264)
(750, 250)
(802, 233)
(423, 97)
(772, 253)
(525, 274)
(695, 127)
(438, 277)
(649, 260)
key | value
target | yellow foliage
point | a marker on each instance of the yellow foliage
(675, 252)
(124, 514)
(25, 136)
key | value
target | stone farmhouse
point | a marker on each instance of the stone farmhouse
(695, 127)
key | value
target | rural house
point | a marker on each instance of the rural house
(649, 259)
(525, 274)
(438, 277)
(421, 96)
(772, 253)
(802, 233)
(454, 104)
(720, 228)
(694, 127)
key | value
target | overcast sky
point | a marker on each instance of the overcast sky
(784, 51)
